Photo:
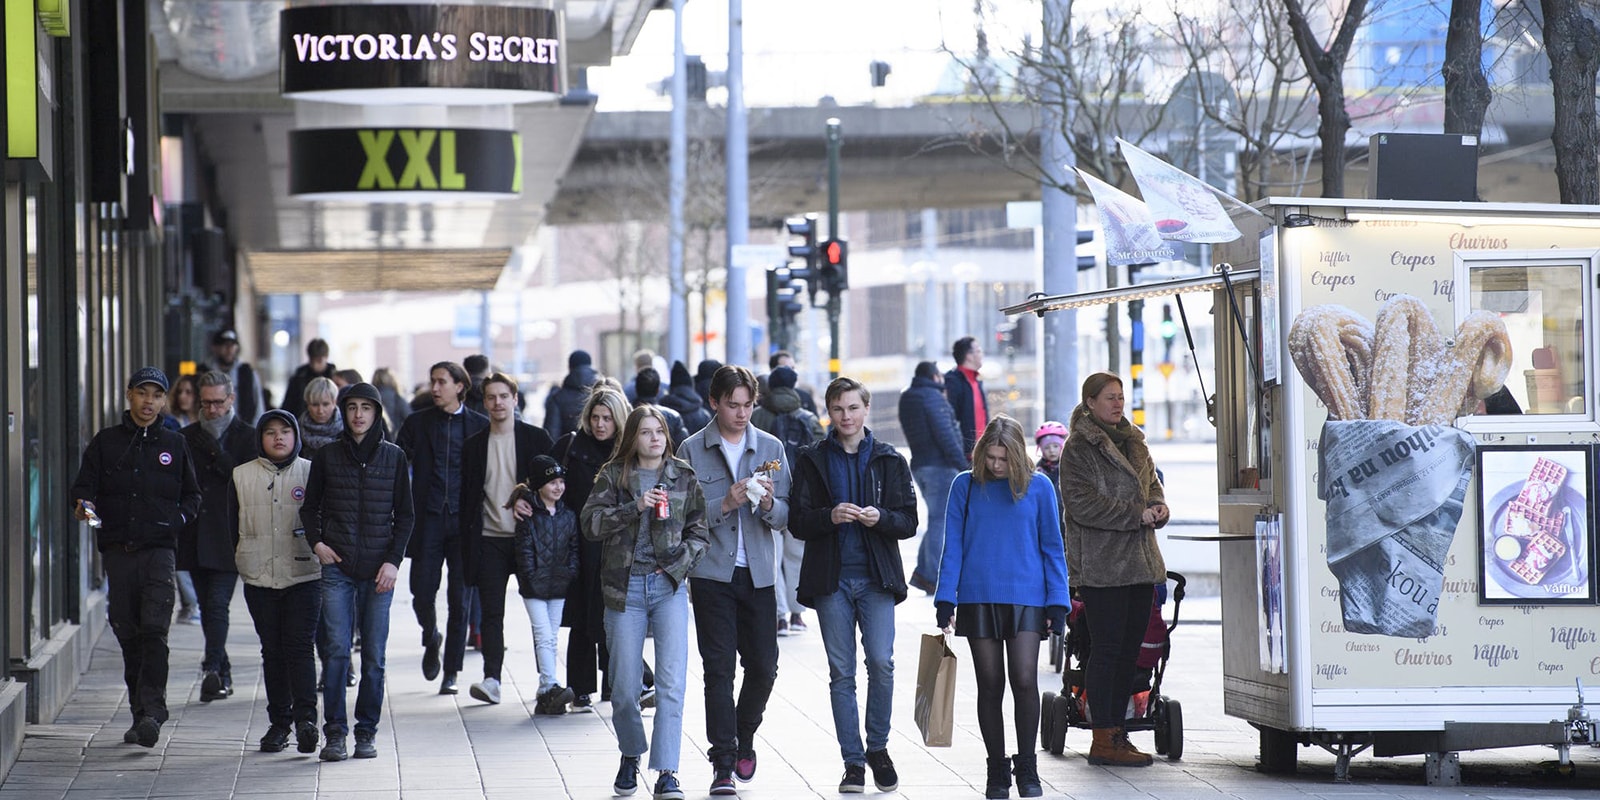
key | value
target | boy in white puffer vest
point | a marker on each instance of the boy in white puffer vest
(281, 578)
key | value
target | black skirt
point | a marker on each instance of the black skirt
(998, 620)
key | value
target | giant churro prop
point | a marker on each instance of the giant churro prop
(1392, 468)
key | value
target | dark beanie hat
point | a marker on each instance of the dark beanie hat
(542, 470)
(680, 375)
(707, 368)
(579, 358)
(782, 378)
(360, 391)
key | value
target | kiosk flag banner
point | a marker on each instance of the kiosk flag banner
(1130, 230)
(1185, 208)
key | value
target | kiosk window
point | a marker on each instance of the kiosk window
(1542, 305)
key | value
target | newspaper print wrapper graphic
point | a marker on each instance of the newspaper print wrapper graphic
(1394, 494)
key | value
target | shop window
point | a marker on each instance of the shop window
(1542, 301)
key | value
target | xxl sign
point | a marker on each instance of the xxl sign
(441, 54)
(364, 163)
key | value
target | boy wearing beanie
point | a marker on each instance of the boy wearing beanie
(547, 563)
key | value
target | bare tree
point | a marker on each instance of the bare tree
(1325, 66)
(1573, 44)
(1466, 88)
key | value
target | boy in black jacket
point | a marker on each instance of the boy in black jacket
(358, 517)
(137, 484)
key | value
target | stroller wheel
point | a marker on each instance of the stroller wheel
(1047, 719)
(1169, 728)
(1062, 719)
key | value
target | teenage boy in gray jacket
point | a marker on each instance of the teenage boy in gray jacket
(735, 608)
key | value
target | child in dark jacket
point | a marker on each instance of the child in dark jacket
(547, 563)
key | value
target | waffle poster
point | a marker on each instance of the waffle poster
(1534, 544)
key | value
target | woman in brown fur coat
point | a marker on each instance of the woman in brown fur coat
(1114, 503)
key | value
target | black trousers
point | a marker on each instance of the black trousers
(735, 621)
(214, 588)
(440, 549)
(139, 598)
(1118, 616)
(286, 621)
(496, 564)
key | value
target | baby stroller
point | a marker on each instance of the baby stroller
(1150, 710)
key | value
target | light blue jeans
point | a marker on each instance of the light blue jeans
(656, 606)
(934, 483)
(545, 615)
(858, 601)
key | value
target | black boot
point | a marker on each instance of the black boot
(999, 787)
(1026, 768)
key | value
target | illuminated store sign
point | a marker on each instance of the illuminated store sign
(392, 164)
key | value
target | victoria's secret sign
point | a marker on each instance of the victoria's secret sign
(421, 54)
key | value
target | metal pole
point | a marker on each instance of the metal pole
(1136, 359)
(1059, 220)
(738, 154)
(933, 342)
(834, 300)
(678, 302)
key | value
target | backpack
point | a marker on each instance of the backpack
(792, 430)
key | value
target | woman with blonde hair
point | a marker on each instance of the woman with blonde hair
(322, 422)
(649, 516)
(1113, 504)
(1003, 582)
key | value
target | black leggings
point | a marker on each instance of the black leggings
(1118, 616)
(989, 666)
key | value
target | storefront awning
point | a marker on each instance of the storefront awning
(1041, 304)
(298, 271)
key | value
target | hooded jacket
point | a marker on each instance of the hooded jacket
(207, 541)
(929, 425)
(358, 502)
(565, 403)
(1104, 494)
(270, 549)
(142, 484)
(810, 521)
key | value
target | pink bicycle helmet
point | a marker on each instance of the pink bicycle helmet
(1050, 428)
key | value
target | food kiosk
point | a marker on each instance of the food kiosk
(1406, 440)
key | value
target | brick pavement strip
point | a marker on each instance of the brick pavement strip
(432, 747)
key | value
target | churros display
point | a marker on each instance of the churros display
(1401, 367)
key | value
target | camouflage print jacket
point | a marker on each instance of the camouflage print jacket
(612, 516)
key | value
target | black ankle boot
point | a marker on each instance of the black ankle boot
(1026, 768)
(999, 787)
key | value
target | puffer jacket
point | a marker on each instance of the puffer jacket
(612, 518)
(142, 484)
(359, 503)
(271, 550)
(546, 549)
(1104, 494)
(929, 426)
(206, 542)
(565, 403)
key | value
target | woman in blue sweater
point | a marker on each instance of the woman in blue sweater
(1003, 580)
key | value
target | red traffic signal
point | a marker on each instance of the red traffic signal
(835, 267)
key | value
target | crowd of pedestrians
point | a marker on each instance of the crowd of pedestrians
(722, 495)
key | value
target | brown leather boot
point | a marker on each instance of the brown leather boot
(1108, 750)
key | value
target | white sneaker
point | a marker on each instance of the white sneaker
(487, 690)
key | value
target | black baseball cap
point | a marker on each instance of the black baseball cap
(149, 375)
(225, 336)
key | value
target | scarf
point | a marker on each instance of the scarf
(315, 435)
(217, 427)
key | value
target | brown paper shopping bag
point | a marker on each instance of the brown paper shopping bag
(936, 691)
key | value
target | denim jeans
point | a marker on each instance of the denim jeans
(934, 484)
(342, 595)
(139, 588)
(496, 565)
(859, 602)
(788, 552)
(736, 624)
(214, 589)
(545, 616)
(654, 605)
(286, 622)
(440, 549)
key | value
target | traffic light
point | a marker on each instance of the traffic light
(1007, 337)
(835, 266)
(1085, 236)
(805, 249)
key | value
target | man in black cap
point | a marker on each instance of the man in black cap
(565, 403)
(225, 359)
(136, 483)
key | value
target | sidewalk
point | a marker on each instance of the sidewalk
(438, 748)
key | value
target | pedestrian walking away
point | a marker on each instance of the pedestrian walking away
(218, 443)
(649, 515)
(547, 564)
(745, 477)
(433, 440)
(137, 483)
(1113, 505)
(929, 425)
(1003, 586)
(358, 517)
(281, 578)
(563, 407)
(851, 505)
(965, 391)
(493, 462)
